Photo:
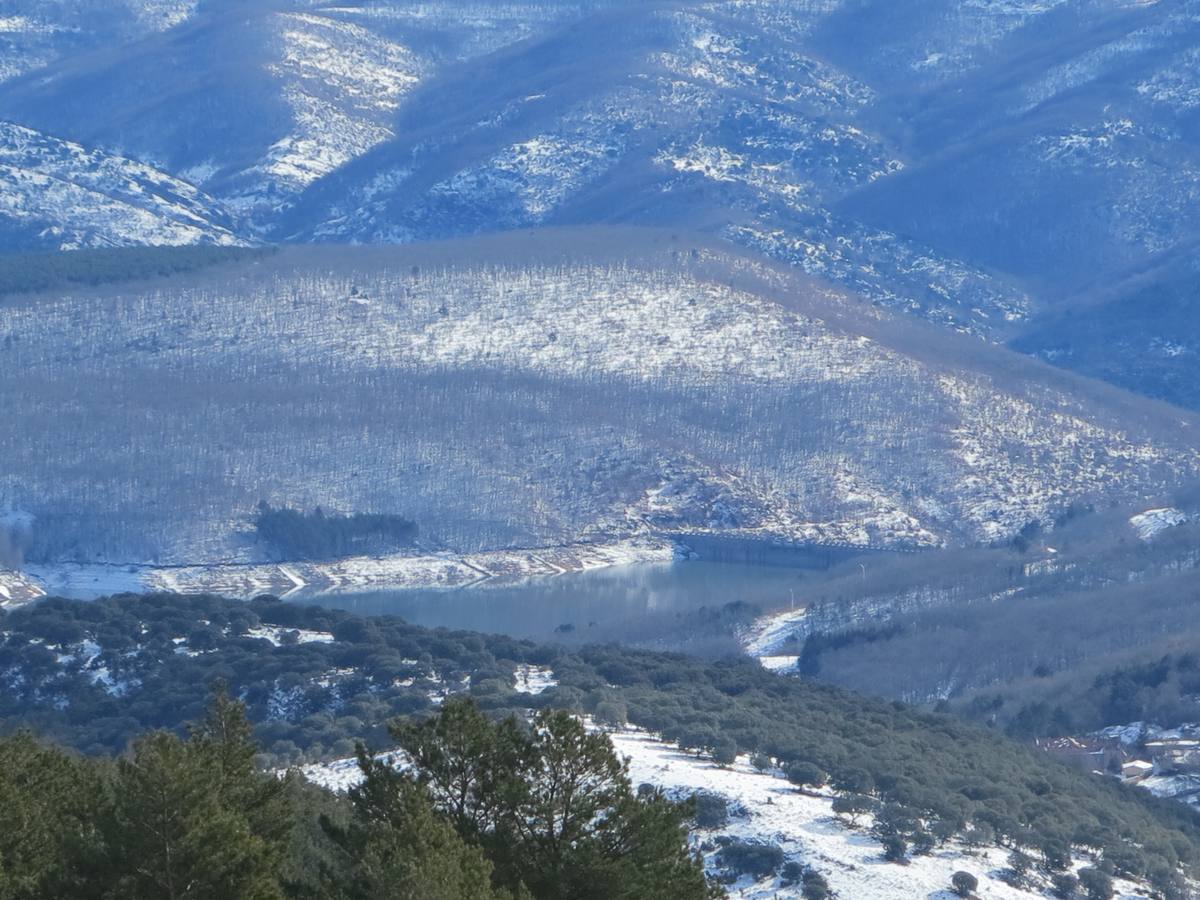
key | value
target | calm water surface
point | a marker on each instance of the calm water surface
(610, 604)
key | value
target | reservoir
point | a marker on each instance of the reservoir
(637, 603)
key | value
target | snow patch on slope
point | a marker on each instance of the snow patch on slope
(531, 679)
(343, 83)
(65, 196)
(1152, 522)
(275, 634)
(804, 827)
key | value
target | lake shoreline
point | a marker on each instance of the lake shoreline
(307, 580)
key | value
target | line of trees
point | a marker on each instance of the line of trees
(26, 272)
(293, 534)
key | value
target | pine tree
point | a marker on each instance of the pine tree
(195, 819)
(49, 802)
(223, 740)
(397, 847)
(574, 788)
(551, 806)
(470, 766)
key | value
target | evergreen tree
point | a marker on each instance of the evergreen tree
(195, 818)
(170, 837)
(551, 806)
(469, 766)
(574, 786)
(223, 741)
(397, 847)
(49, 802)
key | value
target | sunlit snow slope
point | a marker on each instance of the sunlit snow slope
(534, 391)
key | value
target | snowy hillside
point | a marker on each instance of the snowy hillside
(805, 827)
(59, 195)
(554, 398)
(641, 145)
(34, 35)
(255, 102)
(766, 810)
(854, 141)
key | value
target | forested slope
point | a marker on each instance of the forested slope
(534, 391)
(96, 674)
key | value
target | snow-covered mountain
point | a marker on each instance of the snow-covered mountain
(915, 155)
(57, 194)
(36, 35)
(982, 165)
(254, 102)
(532, 391)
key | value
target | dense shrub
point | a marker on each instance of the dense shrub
(712, 810)
(963, 883)
(750, 858)
(806, 775)
(815, 886)
(1095, 884)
